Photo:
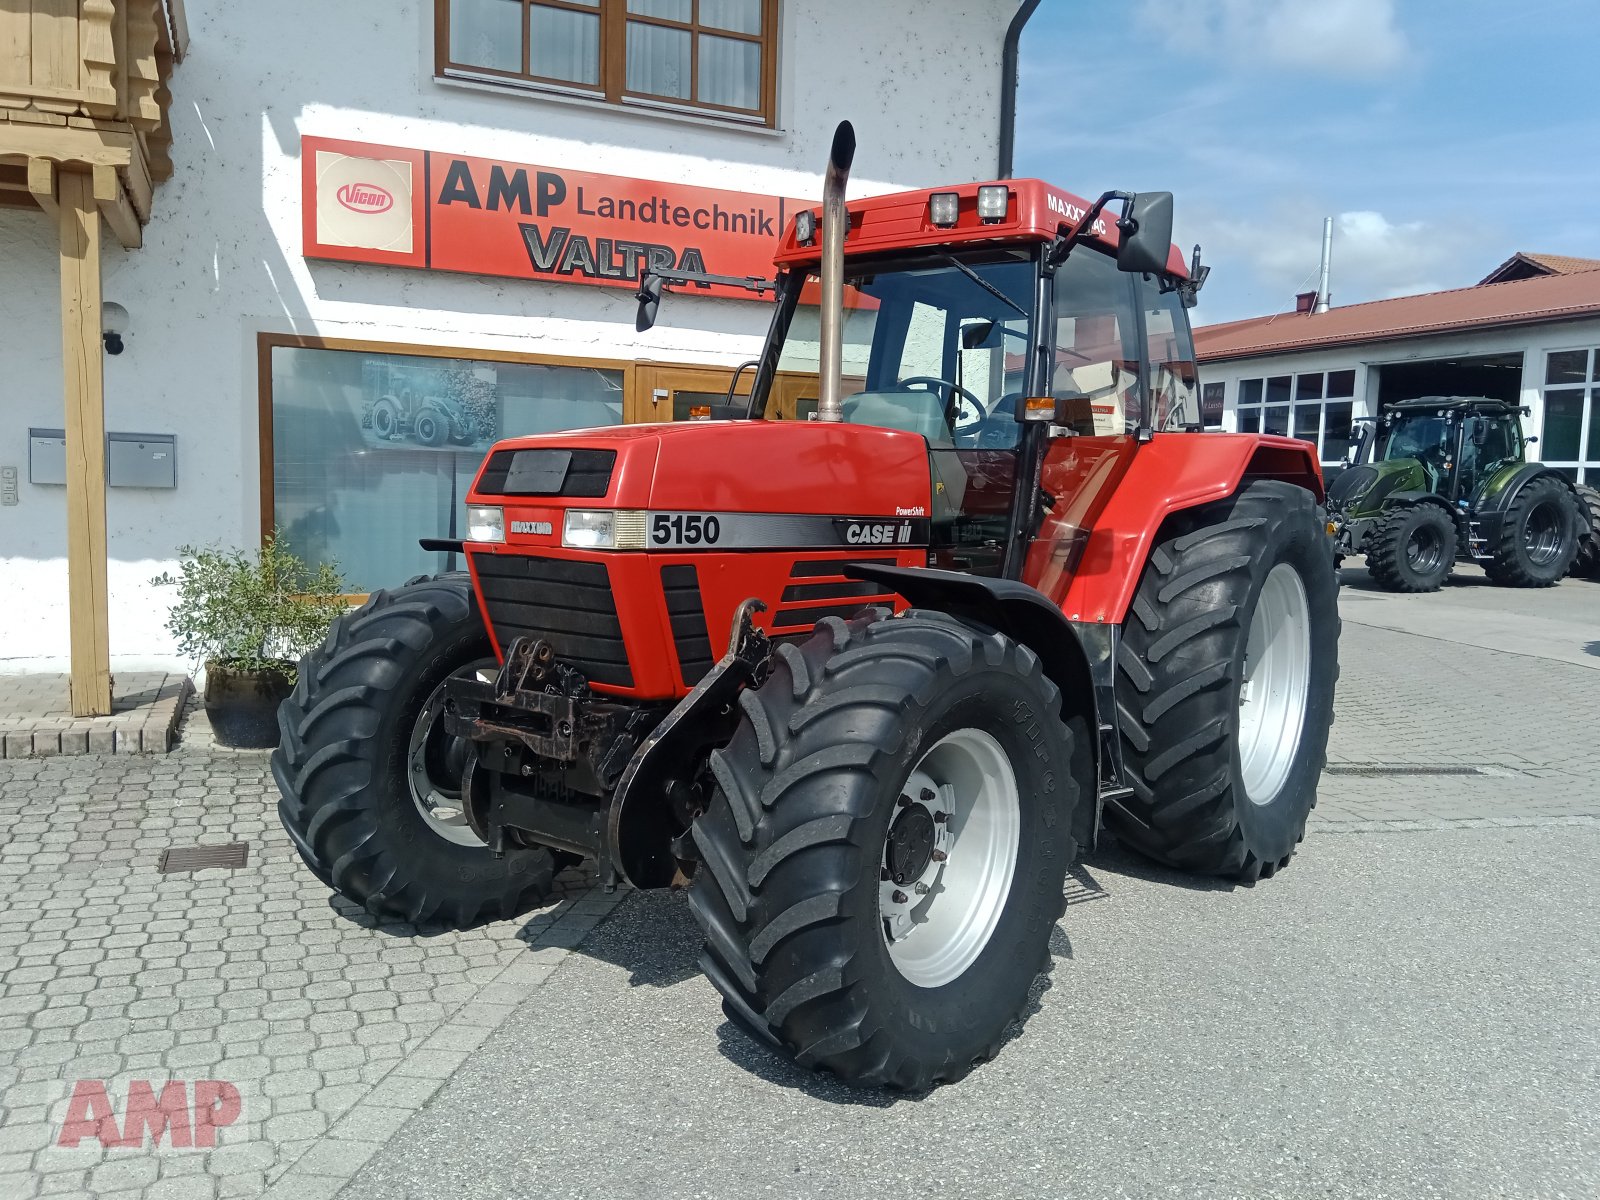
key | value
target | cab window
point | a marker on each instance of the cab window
(1098, 362)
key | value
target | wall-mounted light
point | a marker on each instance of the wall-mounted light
(113, 324)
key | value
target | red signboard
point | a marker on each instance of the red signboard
(450, 212)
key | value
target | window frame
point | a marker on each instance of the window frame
(1292, 402)
(1585, 470)
(612, 86)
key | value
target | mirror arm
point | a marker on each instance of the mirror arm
(1064, 243)
(750, 283)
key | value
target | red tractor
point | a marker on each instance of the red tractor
(864, 683)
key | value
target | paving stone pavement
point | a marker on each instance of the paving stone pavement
(36, 715)
(337, 1030)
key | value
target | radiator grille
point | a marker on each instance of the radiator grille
(568, 603)
(814, 580)
(687, 611)
(584, 474)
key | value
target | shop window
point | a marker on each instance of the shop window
(1569, 439)
(372, 450)
(716, 56)
(1316, 407)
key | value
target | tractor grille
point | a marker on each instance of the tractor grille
(568, 603)
(686, 609)
(811, 580)
(548, 471)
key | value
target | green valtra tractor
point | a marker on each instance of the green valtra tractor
(1442, 478)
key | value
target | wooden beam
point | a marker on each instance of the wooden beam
(65, 144)
(116, 208)
(42, 183)
(83, 363)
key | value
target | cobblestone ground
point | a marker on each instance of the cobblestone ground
(336, 1030)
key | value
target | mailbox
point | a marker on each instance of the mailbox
(133, 460)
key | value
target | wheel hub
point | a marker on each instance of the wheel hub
(911, 843)
(948, 857)
(434, 763)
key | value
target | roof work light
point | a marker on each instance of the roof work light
(942, 208)
(993, 199)
(805, 227)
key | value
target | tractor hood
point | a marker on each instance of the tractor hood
(742, 473)
(1361, 490)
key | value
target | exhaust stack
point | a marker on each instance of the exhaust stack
(835, 221)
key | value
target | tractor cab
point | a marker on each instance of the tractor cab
(1458, 443)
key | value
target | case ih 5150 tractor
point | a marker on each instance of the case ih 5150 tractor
(685, 651)
(1445, 477)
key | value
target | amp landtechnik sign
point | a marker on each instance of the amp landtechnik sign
(448, 212)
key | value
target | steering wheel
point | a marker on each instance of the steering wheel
(968, 415)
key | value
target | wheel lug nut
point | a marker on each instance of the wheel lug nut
(922, 889)
(905, 801)
(941, 817)
(939, 856)
(899, 897)
(929, 795)
(883, 875)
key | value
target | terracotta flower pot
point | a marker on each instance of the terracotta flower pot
(243, 705)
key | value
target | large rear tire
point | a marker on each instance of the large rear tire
(352, 748)
(828, 808)
(1413, 550)
(1538, 538)
(1225, 680)
(1587, 562)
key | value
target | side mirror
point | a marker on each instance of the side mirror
(1530, 440)
(1146, 228)
(976, 334)
(649, 295)
(1480, 433)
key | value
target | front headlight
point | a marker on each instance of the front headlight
(603, 529)
(485, 523)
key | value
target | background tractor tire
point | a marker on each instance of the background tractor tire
(1413, 550)
(431, 427)
(795, 847)
(1219, 788)
(386, 418)
(342, 765)
(1538, 539)
(1587, 562)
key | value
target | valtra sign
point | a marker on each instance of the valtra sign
(430, 210)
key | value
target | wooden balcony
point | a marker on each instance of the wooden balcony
(83, 90)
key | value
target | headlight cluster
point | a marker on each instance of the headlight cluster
(603, 529)
(485, 523)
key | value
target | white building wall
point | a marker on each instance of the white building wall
(1533, 342)
(221, 261)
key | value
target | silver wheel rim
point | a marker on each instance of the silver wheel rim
(438, 800)
(1275, 685)
(938, 921)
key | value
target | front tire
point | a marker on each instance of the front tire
(1225, 680)
(1414, 550)
(1538, 538)
(351, 746)
(823, 813)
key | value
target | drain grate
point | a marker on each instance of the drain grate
(199, 858)
(1403, 769)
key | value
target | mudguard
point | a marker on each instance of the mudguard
(1173, 472)
(1501, 488)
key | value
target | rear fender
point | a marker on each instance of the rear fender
(1077, 660)
(1502, 487)
(1174, 472)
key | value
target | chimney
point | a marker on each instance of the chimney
(1323, 296)
(1304, 302)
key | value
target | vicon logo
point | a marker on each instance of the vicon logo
(365, 198)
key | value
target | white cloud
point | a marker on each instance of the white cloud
(1262, 263)
(1326, 37)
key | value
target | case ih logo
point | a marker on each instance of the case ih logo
(365, 198)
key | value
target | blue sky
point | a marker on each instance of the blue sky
(1442, 135)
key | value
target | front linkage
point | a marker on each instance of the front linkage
(552, 763)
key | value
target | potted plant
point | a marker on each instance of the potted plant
(248, 618)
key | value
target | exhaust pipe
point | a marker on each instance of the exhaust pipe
(835, 221)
